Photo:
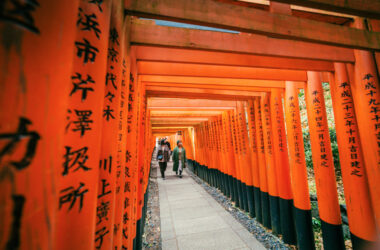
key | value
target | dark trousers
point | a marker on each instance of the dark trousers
(162, 168)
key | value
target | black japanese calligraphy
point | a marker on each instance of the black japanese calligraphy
(86, 51)
(20, 13)
(103, 188)
(88, 22)
(14, 238)
(106, 164)
(75, 159)
(15, 142)
(80, 84)
(102, 211)
(71, 194)
(107, 113)
(99, 235)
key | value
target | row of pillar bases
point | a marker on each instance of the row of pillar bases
(263, 169)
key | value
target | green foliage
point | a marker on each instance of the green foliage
(316, 224)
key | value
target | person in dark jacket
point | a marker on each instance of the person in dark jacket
(179, 158)
(168, 144)
(163, 156)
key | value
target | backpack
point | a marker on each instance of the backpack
(160, 155)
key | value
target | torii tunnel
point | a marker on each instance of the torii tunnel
(88, 86)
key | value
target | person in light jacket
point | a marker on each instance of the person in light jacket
(179, 158)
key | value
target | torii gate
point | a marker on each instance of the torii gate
(86, 86)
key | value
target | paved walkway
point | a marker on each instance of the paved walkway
(192, 219)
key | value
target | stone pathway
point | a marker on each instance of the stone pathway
(192, 219)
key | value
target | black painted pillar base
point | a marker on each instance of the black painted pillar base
(237, 199)
(245, 196)
(275, 214)
(258, 211)
(233, 189)
(251, 204)
(332, 236)
(226, 185)
(240, 195)
(359, 243)
(212, 177)
(138, 235)
(218, 180)
(287, 223)
(265, 210)
(134, 243)
(230, 186)
(304, 229)
(208, 177)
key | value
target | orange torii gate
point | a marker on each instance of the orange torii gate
(87, 86)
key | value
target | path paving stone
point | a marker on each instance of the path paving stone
(192, 219)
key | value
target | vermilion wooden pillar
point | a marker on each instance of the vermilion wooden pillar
(231, 157)
(130, 158)
(122, 202)
(36, 62)
(358, 202)
(220, 154)
(108, 166)
(234, 152)
(216, 152)
(298, 172)
(242, 163)
(226, 156)
(207, 150)
(254, 159)
(140, 161)
(246, 158)
(282, 167)
(366, 93)
(270, 163)
(210, 148)
(78, 182)
(328, 204)
(214, 161)
(262, 164)
(235, 140)
(241, 169)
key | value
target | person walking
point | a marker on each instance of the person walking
(163, 156)
(168, 144)
(179, 158)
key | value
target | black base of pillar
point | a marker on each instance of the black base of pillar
(237, 200)
(265, 210)
(225, 184)
(304, 229)
(359, 243)
(240, 194)
(138, 235)
(230, 186)
(245, 196)
(251, 204)
(287, 223)
(332, 236)
(258, 213)
(275, 214)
